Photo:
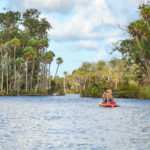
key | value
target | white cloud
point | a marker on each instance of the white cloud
(60, 6)
(91, 22)
(88, 44)
(101, 55)
(136, 2)
(87, 23)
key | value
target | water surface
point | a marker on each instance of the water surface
(73, 123)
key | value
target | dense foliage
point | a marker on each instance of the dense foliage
(93, 78)
(137, 48)
(24, 59)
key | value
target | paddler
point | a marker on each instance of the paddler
(109, 97)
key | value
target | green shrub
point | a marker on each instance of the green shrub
(85, 93)
(127, 91)
(13, 92)
(92, 91)
(145, 92)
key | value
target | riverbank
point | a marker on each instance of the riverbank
(31, 95)
(116, 97)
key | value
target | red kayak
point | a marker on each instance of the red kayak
(107, 104)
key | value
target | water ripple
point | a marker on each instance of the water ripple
(73, 123)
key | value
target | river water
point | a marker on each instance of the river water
(73, 123)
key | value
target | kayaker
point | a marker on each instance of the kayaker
(109, 96)
(108, 100)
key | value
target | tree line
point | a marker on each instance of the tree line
(128, 76)
(90, 79)
(25, 61)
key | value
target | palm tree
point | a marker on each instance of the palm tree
(145, 13)
(20, 64)
(65, 74)
(7, 62)
(48, 58)
(39, 46)
(34, 43)
(59, 61)
(14, 43)
(4, 62)
(139, 30)
(29, 54)
(43, 43)
(2, 70)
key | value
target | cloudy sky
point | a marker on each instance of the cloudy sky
(83, 30)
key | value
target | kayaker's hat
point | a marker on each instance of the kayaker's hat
(109, 91)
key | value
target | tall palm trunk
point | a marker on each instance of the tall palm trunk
(37, 85)
(46, 83)
(27, 75)
(7, 73)
(49, 76)
(56, 71)
(15, 67)
(9, 82)
(44, 77)
(2, 78)
(38, 79)
(49, 70)
(32, 72)
(18, 85)
(2, 74)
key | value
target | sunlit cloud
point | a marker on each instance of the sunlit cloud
(90, 20)
(88, 44)
(101, 55)
(57, 6)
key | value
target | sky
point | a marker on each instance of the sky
(83, 30)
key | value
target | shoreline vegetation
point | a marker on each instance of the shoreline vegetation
(25, 61)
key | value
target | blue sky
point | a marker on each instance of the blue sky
(83, 30)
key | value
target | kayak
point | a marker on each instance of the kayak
(107, 104)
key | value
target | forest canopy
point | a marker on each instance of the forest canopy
(24, 56)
